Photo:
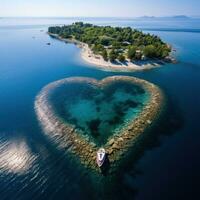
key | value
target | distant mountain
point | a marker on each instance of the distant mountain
(176, 17)
(181, 17)
(147, 18)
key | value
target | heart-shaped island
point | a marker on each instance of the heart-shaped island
(82, 114)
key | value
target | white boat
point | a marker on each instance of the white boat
(101, 157)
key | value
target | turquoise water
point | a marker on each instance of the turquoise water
(96, 112)
(31, 167)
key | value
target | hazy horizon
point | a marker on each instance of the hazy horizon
(103, 8)
(101, 17)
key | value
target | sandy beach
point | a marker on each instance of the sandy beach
(97, 61)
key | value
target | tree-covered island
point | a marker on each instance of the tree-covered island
(115, 43)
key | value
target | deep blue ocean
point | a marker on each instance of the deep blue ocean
(31, 167)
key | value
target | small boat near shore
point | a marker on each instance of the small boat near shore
(101, 157)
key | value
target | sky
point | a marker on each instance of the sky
(98, 8)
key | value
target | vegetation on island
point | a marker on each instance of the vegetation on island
(115, 43)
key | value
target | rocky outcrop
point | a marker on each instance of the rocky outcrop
(66, 136)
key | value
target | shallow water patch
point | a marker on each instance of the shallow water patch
(95, 111)
(81, 114)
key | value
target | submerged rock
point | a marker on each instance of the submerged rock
(72, 139)
(149, 121)
(111, 142)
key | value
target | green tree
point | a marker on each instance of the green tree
(105, 55)
(165, 53)
(97, 37)
(116, 45)
(121, 58)
(97, 48)
(105, 41)
(131, 52)
(150, 51)
(112, 55)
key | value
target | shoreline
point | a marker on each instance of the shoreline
(97, 61)
(66, 136)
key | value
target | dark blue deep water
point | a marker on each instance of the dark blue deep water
(31, 167)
